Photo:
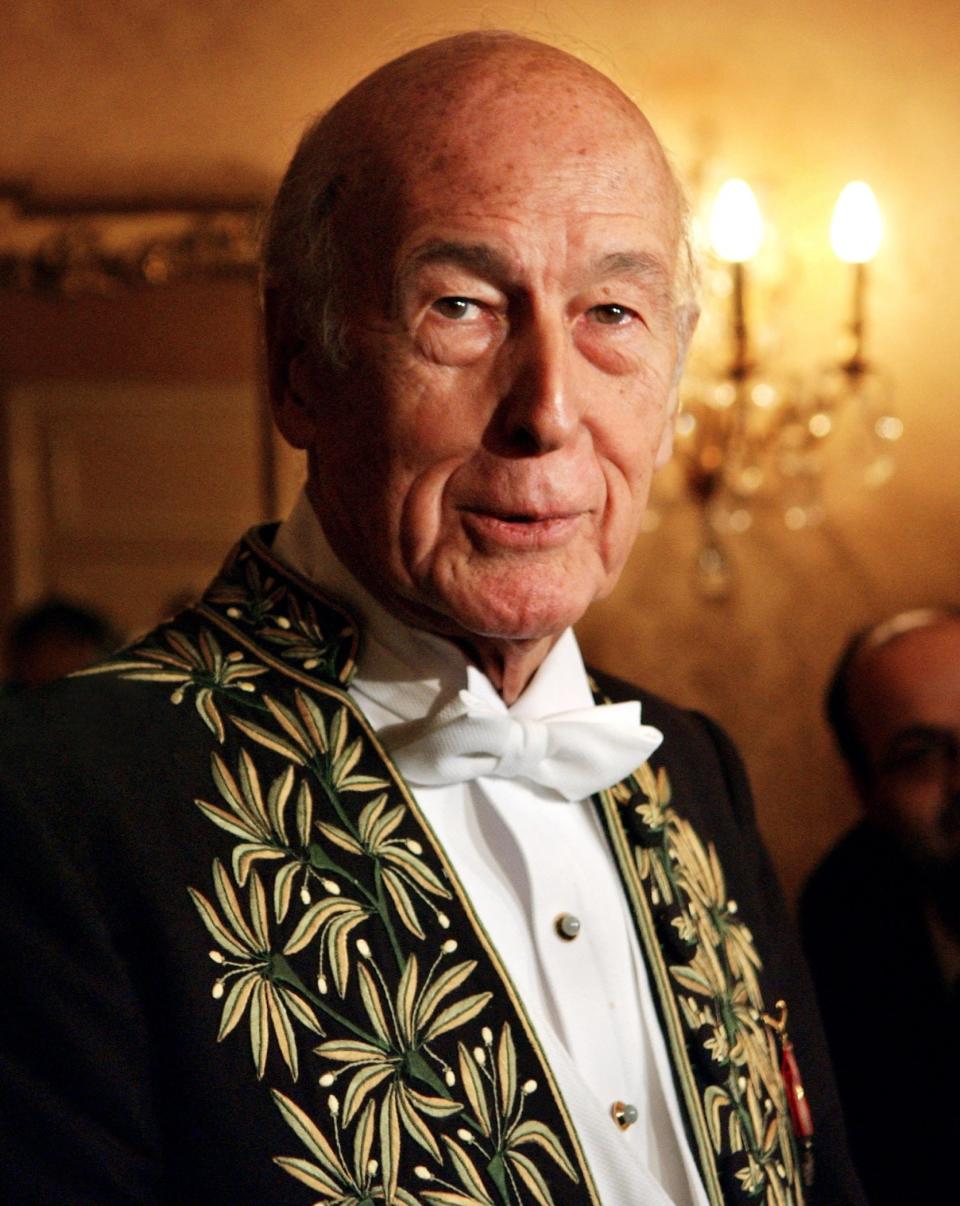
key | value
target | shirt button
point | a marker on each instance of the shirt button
(567, 926)
(624, 1114)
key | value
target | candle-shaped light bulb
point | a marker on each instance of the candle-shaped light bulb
(857, 228)
(736, 225)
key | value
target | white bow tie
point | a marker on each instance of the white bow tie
(574, 754)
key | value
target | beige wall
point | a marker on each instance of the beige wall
(187, 96)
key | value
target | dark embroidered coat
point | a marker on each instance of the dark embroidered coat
(239, 968)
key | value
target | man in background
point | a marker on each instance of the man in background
(349, 883)
(881, 915)
(53, 638)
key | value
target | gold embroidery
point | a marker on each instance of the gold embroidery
(327, 862)
(711, 965)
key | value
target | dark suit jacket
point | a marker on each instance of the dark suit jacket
(892, 1022)
(240, 969)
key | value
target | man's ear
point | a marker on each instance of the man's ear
(293, 398)
(293, 393)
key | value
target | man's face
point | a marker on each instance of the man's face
(483, 465)
(906, 698)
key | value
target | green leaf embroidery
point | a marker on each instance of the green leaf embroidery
(466, 1170)
(531, 1177)
(309, 1135)
(269, 740)
(531, 1131)
(473, 1087)
(458, 1014)
(389, 1143)
(507, 1074)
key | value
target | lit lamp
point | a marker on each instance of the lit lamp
(856, 232)
(736, 232)
(717, 444)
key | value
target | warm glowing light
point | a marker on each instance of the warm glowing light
(736, 225)
(857, 228)
(889, 427)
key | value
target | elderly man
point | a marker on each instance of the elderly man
(881, 915)
(349, 884)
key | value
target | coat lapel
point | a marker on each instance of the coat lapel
(335, 933)
(704, 970)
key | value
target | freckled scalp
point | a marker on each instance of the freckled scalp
(418, 110)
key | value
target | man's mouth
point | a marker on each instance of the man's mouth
(521, 529)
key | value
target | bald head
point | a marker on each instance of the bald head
(436, 113)
(853, 683)
(409, 109)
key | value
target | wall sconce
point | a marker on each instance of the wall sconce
(749, 436)
(855, 235)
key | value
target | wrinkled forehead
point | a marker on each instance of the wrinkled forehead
(498, 151)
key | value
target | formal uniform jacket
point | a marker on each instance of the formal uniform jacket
(240, 969)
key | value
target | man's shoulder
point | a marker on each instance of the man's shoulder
(107, 688)
(74, 738)
(702, 763)
(77, 707)
(620, 689)
(683, 727)
(865, 869)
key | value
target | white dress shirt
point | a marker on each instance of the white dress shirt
(525, 859)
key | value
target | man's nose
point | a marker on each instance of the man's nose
(539, 411)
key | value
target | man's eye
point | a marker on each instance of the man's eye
(456, 307)
(612, 315)
(913, 755)
(922, 757)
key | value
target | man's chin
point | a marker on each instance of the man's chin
(517, 599)
(514, 617)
